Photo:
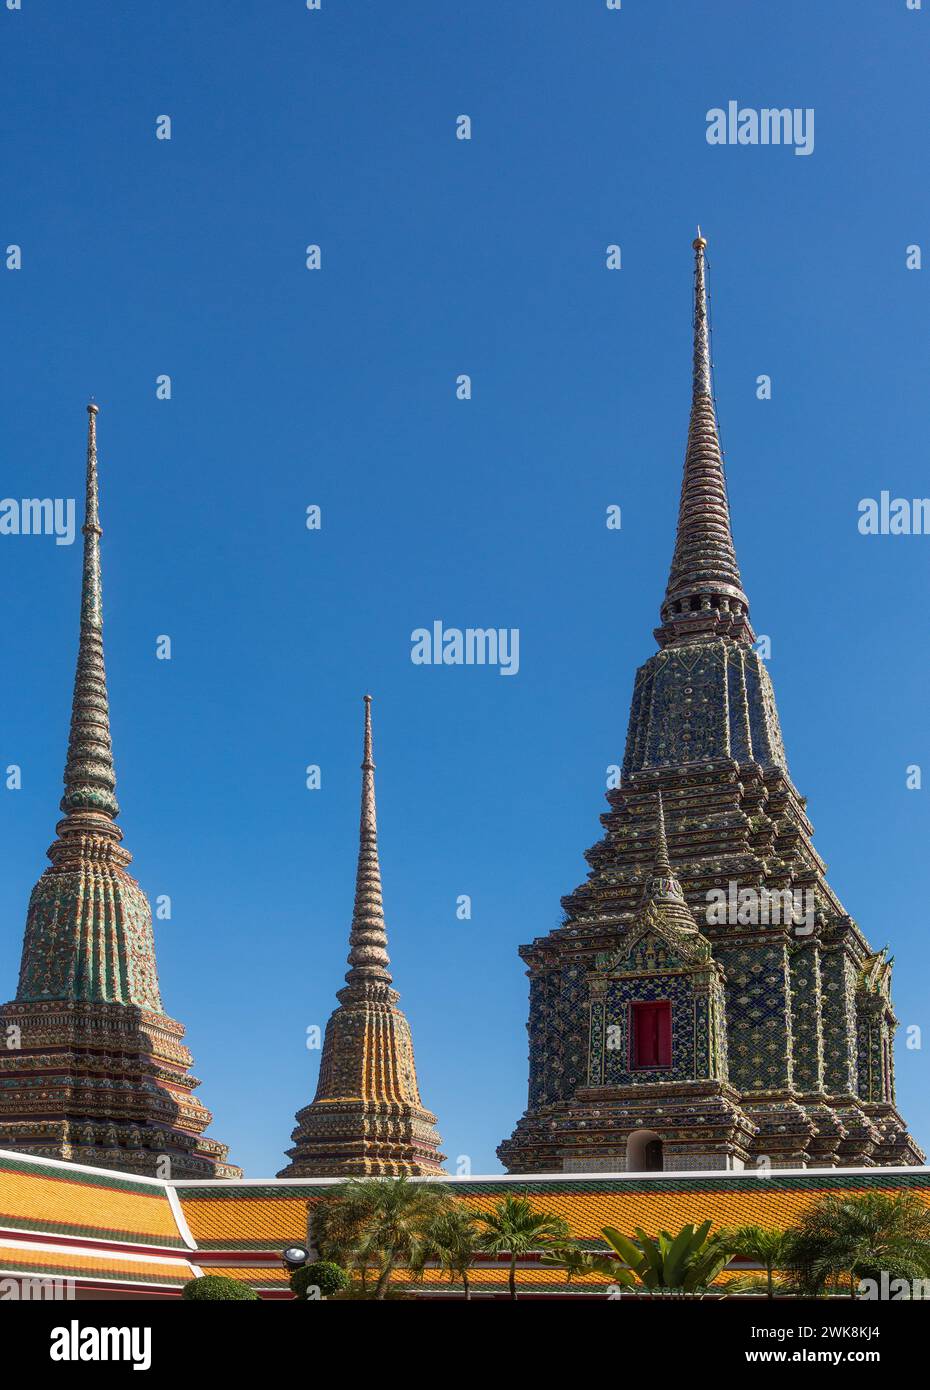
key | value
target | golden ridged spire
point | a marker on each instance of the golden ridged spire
(366, 1117)
(368, 957)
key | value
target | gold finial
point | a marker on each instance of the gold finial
(92, 408)
(699, 241)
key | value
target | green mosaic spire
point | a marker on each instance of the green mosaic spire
(90, 778)
(89, 927)
(102, 1074)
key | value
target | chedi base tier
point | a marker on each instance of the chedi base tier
(105, 1085)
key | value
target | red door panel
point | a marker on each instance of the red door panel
(651, 1034)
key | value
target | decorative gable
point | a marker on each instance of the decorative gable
(656, 943)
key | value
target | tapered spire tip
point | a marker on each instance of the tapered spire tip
(662, 885)
(90, 780)
(367, 759)
(368, 957)
(704, 595)
(661, 860)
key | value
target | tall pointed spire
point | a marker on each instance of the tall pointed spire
(731, 1040)
(661, 864)
(704, 593)
(103, 949)
(102, 1074)
(367, 1116)
(368, 957)
(700, 361)
(661, 884)
(90, 779)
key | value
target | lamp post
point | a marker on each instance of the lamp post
(294, 1257)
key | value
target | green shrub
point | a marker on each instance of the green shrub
(215, 1288)
(329, 1278)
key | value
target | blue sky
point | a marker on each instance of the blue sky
(337, 388)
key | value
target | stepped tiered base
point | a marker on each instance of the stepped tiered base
(106, 1085)
(699, 1123)
(809, 1019)
(366, 1118)
(363, 1139)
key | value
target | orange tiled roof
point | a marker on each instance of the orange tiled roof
(71, 1200)
(259, 1276)
(65, 1263)
(266, 1216)
(587, 1213)
(238, 1219)
(269, 1221)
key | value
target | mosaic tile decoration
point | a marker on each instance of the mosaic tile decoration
(782, 1039)
(100, 1075)
(366, 1116)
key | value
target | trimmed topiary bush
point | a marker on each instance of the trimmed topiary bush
(329, 1278)
(218, 1288)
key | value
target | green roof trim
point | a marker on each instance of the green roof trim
(121, 1182)
(142, 1239)
(122, 1276)
(819, 1180)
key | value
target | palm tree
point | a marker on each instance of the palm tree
(770, 1248)
(377, 1222)
(860, 1238)
(685, 1264)
(451, 1240)
(513, 1228)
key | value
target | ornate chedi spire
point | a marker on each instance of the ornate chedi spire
(366, 1116)
(661, 885)
(368, 957)
(90, 780)
(704, 592)
(723, 1013)
(728, 709)
(99, 1073)
(104, 950)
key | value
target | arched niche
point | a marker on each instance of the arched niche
(644, 1152)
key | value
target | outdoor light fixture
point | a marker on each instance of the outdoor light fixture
(295, 1256)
